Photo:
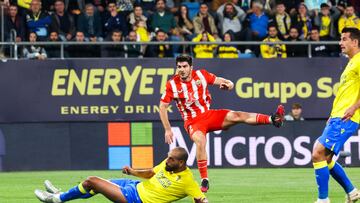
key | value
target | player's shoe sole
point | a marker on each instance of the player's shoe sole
(50, 187)
(204, 185)
(278, 118)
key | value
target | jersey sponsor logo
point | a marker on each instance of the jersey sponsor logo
(198, 82)
(163, 180)
(191, 99)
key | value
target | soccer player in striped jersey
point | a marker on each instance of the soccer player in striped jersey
(169, 181)
(343, 123)
(189, 89)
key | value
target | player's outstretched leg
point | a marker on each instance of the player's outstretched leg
(54, 195)
(338, 173)
(91, 186)
(235, 117)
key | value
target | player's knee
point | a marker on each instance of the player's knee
(238, 116)
(317, 156)
(90, 181)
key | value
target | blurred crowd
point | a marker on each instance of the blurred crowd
(174, 20)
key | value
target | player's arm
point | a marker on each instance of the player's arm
(223, 83)
(193, 190)
(351, 111)
(165, 122)
(141, 173)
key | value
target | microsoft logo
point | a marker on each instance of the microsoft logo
(130, 144)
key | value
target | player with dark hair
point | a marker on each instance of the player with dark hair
(169, 181)
(189, 89)
(343, 122)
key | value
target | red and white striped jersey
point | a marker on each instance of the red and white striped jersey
(192, 98)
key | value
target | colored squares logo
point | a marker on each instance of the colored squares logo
(130, 144)
(142, 157)
(119, 157)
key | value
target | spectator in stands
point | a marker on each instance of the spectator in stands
(257, 22)
(141, 31)
(295, 50)
(273, 51)
(228, 51)
(231, 20)
(77, 51)
(13, 21)
(165, 20)
(256, 25)
(302, 21)
(349, 19)
(115, 21)
(162, 19)
(205, 22)
(356, 5)
(318, 50)
(33, 51)
(326, 22)
(38, 21)
(89, 23)
(133, 50)
(53, 51)
(159, 51)
(137, 15)
(114, 50)
(63, 22)
(295, 113)
(282, 21)
(240, 12)
(184, 24)
(204, 50)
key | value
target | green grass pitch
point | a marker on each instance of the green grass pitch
(227, 185)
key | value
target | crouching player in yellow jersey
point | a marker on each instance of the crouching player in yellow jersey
(343, 122)
(169, 181)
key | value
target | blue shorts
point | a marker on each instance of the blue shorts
(128, 188)
(336, 133)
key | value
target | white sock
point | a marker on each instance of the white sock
(323, 200)
(270, 119)
(353, 191)
(56, 198)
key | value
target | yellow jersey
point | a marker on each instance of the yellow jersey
(349, 90)
(352, 21)
(273, 51)
(325, 26)
(165, 186)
